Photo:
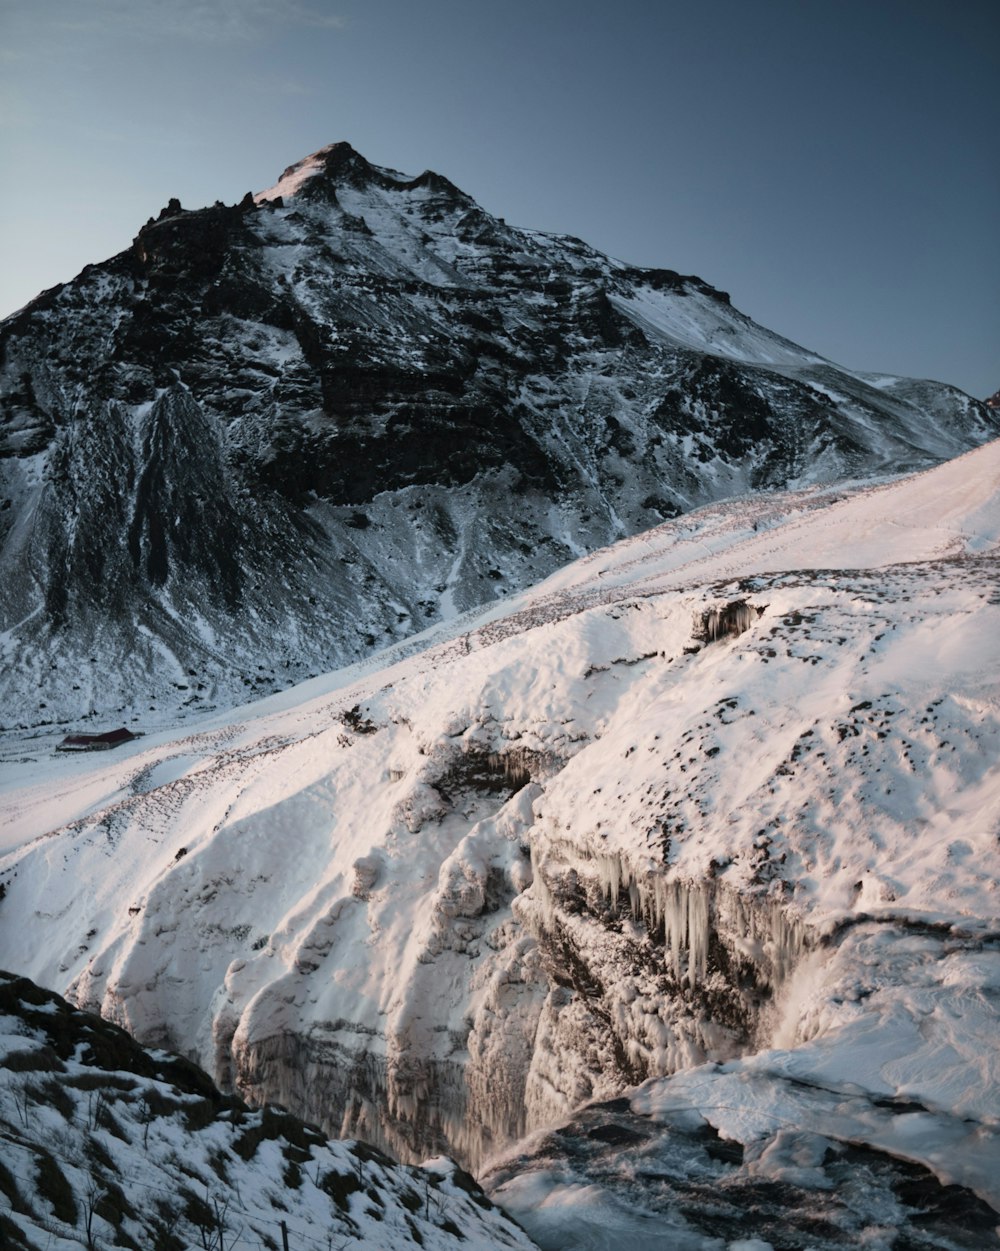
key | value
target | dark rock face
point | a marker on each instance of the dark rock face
(274, 436)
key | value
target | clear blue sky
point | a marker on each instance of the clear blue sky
(833, 164)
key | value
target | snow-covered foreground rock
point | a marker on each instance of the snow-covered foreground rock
(717, 807)
(107, 1144)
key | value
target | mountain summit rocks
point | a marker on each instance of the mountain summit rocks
(270, 438)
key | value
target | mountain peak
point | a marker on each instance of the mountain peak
(336, 163)
(339, 156)
(319, 174)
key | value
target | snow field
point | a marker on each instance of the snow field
(770, 861)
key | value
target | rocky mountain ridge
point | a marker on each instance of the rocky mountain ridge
(273, 437)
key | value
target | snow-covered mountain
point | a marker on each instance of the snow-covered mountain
(107, 1144)
(715, 809)
(270, 438)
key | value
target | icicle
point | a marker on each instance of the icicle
(788, 942)
(728, 621)
(685, 914)
(698, 935)
(674, 924)
(609, 873)
(540, 891)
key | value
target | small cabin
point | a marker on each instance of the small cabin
(96, 742)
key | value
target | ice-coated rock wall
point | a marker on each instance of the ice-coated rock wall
(653, 975)
(596, 980)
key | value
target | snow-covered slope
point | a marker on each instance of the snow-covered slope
(274, 437)
(720, 801)
(107, 1144)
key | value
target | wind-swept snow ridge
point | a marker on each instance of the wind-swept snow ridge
(273, 438)
(569, 844)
